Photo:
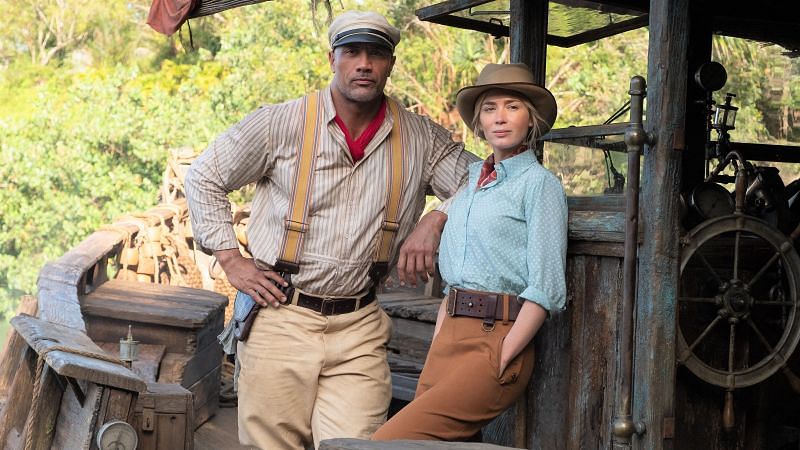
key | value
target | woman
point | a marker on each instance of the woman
(503, 256)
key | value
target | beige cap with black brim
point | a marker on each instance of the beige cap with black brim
(510, 77)
(362, 27)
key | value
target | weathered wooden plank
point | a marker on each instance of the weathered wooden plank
(44, 425)
(12, 423)
(172, 426)
(175, 339)
(597, 221)
(187, 369)
(151, 303)
(608, 203)
(116, 404)
(14, 348)
(614, 249)
(548, 392)
(76, 420)
(42, 336)
(411, 339)
(146, 366)
(219, 433)
(699, 411)
(580, 381)
(654, 365)
(424, 310)
(205, 396)
(358, 444)
(404, 386)
(62, 282)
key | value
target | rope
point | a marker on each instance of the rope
(36, 403)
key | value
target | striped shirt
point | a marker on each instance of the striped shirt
(347, 199)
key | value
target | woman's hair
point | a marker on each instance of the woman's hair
(533, 132)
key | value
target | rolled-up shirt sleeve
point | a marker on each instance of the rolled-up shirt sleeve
(546, 217)
(236, 158)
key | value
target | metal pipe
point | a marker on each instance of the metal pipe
(635, 138)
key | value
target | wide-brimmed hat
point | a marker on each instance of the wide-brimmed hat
(512, 77)
(362, 26)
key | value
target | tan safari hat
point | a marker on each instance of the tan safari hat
(362, 26)
(511, 77)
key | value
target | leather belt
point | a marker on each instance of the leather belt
(331, 306)
(488, 306)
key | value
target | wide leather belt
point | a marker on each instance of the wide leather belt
(331, 306)
(488, 306)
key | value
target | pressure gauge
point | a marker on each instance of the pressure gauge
(710, 200)
(117, 435)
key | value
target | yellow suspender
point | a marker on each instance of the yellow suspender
(296, 225)
(394, 194)
(295, 222)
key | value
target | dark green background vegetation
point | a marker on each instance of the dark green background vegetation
(92, 100)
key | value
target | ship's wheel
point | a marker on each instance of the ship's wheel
(737, 302)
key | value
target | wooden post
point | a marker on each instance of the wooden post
(529, 35)
(699, 52)
(654, 360)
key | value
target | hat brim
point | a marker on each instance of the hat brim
(542, 100)
(363, 38)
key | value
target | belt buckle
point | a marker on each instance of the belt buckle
(451, 302)
(325, 302)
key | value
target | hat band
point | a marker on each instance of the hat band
(370, 31)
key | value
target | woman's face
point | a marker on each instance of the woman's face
(504, 120)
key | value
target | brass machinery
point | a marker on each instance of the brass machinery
(738, 321)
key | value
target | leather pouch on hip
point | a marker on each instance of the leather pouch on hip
(245, 310)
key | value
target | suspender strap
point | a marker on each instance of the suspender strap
(296, 221)
(394, 194)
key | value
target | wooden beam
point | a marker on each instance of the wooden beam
(599, 33)
(654, 360)
(628, 8)
(446, 8)
(492, 28)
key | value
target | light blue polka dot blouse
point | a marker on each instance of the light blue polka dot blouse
(509, 236)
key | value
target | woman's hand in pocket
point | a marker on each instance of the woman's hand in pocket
(506, 355)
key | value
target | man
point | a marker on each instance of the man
(314, 364)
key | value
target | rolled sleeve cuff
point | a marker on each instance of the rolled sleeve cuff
(445, 205)
(538, 296)
(220, 240)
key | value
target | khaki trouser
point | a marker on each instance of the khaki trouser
(459, 390)
(306, 375)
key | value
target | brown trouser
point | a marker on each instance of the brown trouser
(306, 377)
(459, 390)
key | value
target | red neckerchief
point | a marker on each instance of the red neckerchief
(488, 173)
(357, 146)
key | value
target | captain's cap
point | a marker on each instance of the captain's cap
(358, 26)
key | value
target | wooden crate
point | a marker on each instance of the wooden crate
(185, 321)
(164, 418)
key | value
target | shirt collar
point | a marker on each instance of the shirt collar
(518, 163)
(329, 111)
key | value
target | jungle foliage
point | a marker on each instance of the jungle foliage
(92, 100)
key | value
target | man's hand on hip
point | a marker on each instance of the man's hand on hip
(418, 252)
(243, 274)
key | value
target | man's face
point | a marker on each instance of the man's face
(361, 70)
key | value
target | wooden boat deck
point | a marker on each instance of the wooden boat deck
(221, 432)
